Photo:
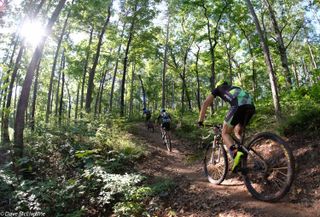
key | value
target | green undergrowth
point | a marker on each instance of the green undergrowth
(82, 169)
(300, 112)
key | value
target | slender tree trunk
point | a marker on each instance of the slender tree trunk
(95, 63)
(198, 79)
(165, 59)
(131, 89)
(69, 102)
(34, 99)
(212, 41)
(85, 69)
(267, 58)
(77, 101)
(99, 98)
(61, 98)
(24, 97)
(6, 113)
(116, 70)
(253, 63)
(314, 64)
(125, 61)
(294, 69)
(143, 92)
(281, 47)
(49, 106)
(58, 85)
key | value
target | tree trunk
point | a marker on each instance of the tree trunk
(34, 99)
(97, 107)
(61, 98)
(294, 69)
(77, 101)
(125, 61)
(58, 85)
(95, 62)
(253, 63)
(314, 64)
(6, 113)
(198, 79)
(267, 58)
(115, 70)
(24, 97)
(131, 89)
(281, 47)
(212, 42)
(143, 92)
(49, 106)
(165, 59)
(85, 69)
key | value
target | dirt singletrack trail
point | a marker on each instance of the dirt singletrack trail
(194, 196)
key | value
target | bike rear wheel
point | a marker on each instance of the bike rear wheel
(269, 167)
(215, 163)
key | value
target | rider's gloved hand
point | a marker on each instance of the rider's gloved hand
(200, 123)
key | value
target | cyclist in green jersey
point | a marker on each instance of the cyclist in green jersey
(241, 106)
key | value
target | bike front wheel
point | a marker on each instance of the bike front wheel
(215, 163)
(269, 167)
(167, 141)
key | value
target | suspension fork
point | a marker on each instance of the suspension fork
(214, 146)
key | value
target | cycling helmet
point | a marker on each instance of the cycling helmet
(162, 110)
(221, 82)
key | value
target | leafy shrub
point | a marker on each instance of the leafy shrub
(306, 119)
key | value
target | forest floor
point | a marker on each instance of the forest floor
(194, 196)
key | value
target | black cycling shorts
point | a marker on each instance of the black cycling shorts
(240, 115)
(166, 126)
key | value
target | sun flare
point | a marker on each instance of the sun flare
(32, 32)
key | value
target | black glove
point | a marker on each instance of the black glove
(200, 123)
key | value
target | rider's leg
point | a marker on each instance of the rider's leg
(226, 131)
(228, 141)
(238, 131)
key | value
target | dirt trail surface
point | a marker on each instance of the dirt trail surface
(194, 196)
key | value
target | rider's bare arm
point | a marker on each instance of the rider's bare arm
(205, 105)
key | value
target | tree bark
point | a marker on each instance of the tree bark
(97, 107)
(125, 61)
(165, 59)
(85, 69)
(24, 97)
(77, 102)
(143, 92)
(253, 63)
(115, 70)
(95, 62)
(131, 89)
(212, 42)
(281, 47)
(58, 86)
(62, 91)
(198, 79)
(268, 61)
(49, 105)
(34, 99)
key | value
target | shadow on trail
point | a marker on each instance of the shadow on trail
(194, 196)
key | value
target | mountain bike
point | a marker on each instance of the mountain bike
(267, 166)
(166, 138)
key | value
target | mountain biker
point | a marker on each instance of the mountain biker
(147, 113)
(241, 106)
(164, 118)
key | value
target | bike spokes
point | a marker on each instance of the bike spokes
(215, 164)
(269, 167)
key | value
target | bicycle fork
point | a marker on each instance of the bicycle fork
(212, 157)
